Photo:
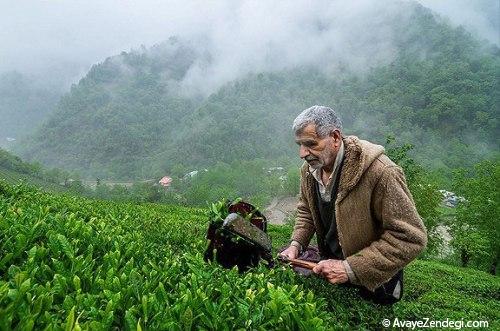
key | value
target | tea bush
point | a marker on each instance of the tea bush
(73, 263)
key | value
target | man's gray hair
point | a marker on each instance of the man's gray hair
(325, 119)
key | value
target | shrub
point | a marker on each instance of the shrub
(68, 262)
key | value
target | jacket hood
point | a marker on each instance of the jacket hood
(359, 155)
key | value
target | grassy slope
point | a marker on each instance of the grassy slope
(14, 171)
(14, 177)
(142, 264)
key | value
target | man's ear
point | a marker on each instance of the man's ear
(336, 135)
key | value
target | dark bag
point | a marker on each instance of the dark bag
(387, 293)
(232, 251)
(311, 254)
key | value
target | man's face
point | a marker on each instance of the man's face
(318, 152)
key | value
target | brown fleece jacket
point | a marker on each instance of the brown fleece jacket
(379, 228)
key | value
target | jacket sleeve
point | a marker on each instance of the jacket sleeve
(403, 234)
(304, 227)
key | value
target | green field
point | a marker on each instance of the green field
(73, 263)
(14, 177)
(15, 171)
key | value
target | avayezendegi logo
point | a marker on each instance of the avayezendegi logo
(386, 323)
(428, 323)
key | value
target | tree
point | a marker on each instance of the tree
(476, 231)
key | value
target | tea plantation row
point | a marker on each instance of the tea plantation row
(72, 263)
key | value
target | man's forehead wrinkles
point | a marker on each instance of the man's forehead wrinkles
(303, 140)
(307, 135)
(310, 129)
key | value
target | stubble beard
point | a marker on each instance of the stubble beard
(314, 163)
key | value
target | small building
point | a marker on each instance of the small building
(450, 199)
(165, 181)
(192, 174)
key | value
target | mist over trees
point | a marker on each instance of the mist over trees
(132, 116)
(24, 104)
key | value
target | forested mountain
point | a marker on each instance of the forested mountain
(23, 105)
(440, 94)
(119, 114)
(130, 117)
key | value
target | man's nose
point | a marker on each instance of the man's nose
(303, 151)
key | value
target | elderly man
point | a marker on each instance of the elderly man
(356, 201)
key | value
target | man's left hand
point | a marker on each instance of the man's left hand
(333, 270)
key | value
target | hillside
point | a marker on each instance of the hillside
(13, 170)
(24, 104)
(117, 116)
(131, 118)
(14, 177)
(69, 262)
(439, 94)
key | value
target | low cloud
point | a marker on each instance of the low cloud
(62, 39)
(480, 17)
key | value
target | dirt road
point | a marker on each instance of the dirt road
(281, 209)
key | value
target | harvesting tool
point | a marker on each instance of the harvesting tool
(238, 236)
(298, 263)
(237, 225)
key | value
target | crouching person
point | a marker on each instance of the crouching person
(357, 202)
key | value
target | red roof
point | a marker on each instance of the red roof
(165, 181)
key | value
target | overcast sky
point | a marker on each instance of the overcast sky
(47, 36)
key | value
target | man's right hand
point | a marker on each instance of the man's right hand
(292, 252)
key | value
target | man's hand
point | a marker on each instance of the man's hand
(292, 252)
(333, 270)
